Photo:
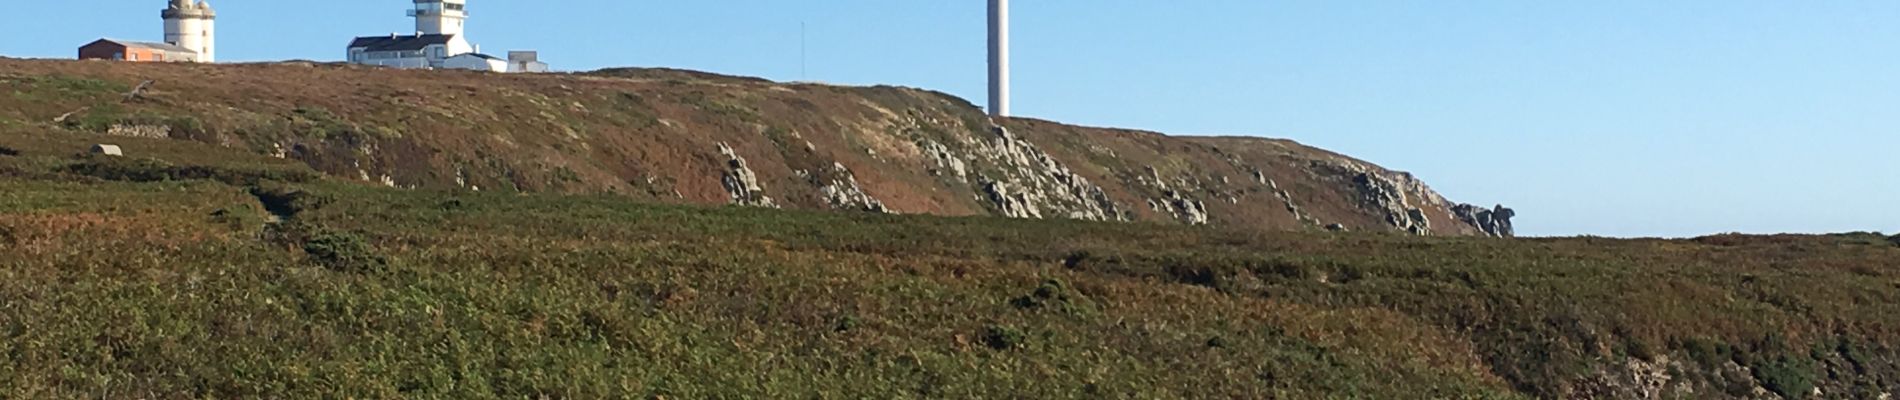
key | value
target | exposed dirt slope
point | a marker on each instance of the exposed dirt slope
(687, 137)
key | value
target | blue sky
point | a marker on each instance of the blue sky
(1604, 117)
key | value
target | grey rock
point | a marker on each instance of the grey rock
(943, 161)
(741, 183)
(1190, 211)
(140, 131)
(1029, 182)
(1381, 193)
(1013, 204)
(842, 192)
(1494, 222)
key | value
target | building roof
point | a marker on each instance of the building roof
(399, 42)
(145, 45)
(479, 55)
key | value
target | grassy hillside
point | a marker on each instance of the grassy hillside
(664, 135)
(191, 270)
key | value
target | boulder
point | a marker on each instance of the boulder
(108, 149)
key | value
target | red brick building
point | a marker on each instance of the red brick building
(126, 50)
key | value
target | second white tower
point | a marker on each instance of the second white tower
(440, 17)
(192, 26)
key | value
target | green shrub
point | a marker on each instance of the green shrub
(344, 252)
(1789, 377)
(847, 323)
(1217, 342)
(237, 217)
(1895, 239)
(286, 202)
(4, 151)
(151, 170)
(1706, 352)
(1004, 337)
(1051, 291)
(1638, 348)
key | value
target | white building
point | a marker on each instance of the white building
(476, 61)
(526, 61)
(439, 42)
(189, 37)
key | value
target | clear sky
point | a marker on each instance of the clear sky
(1604, 117)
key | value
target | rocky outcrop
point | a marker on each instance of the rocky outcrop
(1174, 202)
(1189, 211)
(1286, 199)
(1636, 378)
(1011, 203)
(842, 192)
(1494, 222)
(741, 183)
(1192, 212)
(140, 131)
(943, 162)
(1030, 182)
(1382, 194)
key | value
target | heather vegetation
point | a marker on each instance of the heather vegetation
(187, 270)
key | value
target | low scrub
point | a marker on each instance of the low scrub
(152, 170)
(414, 293)
(344, 252)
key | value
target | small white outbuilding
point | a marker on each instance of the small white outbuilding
(107, 149)
(476, 61)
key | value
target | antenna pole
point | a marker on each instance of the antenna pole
(801, 52)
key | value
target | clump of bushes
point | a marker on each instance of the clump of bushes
(1051, 291)
(235, 217)
(286, 202)
(1002, 337)
(344, 252)
(847, 323)
(1895, 239)
(1790, 377)
(4, 151)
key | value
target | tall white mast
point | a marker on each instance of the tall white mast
(999, 58)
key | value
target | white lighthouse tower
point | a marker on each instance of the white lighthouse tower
(440, 17)
(193, 27)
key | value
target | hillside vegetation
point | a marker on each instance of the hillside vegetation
(189, 270)
(682, 137)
